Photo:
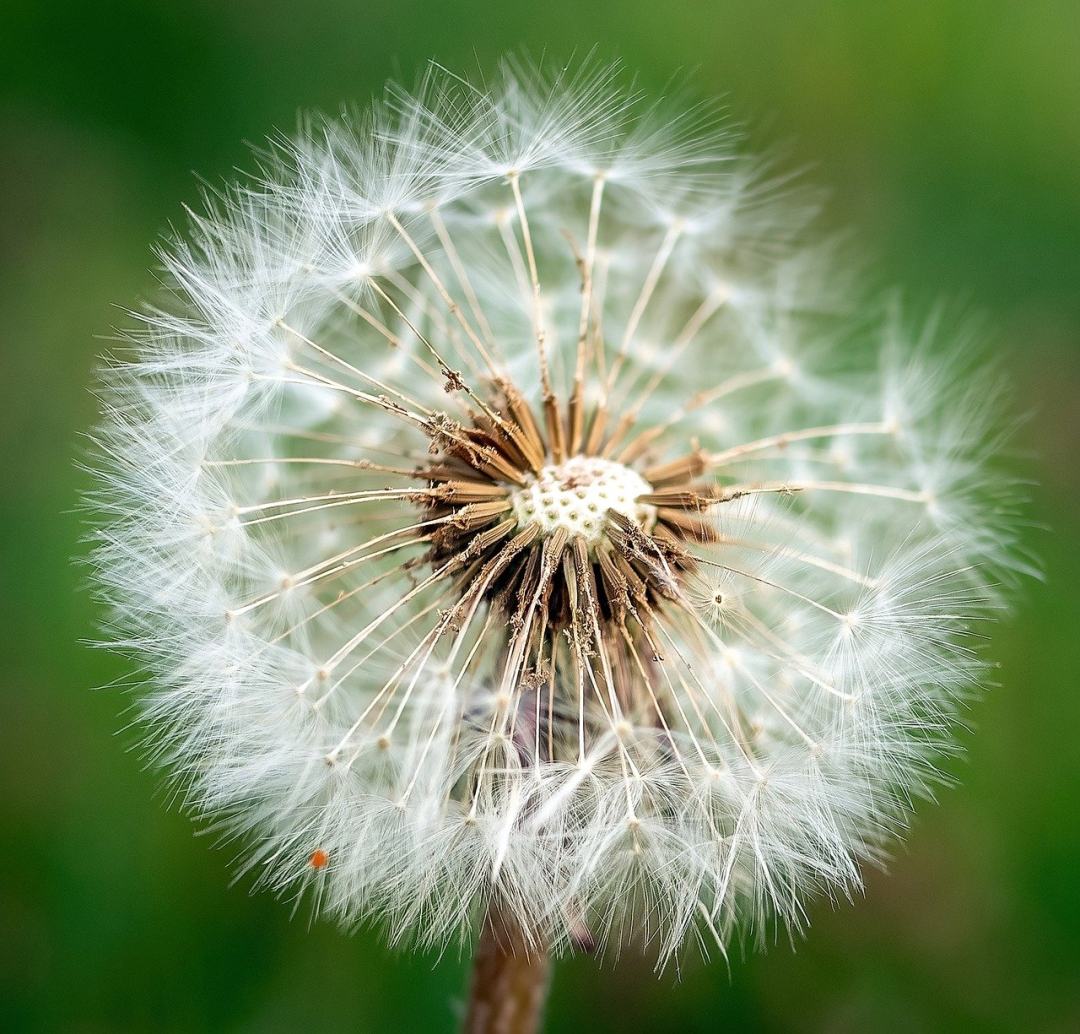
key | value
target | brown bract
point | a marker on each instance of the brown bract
(563, 599)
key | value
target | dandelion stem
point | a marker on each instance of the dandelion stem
(510, 978)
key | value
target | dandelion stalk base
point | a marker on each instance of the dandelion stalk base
(510, 980)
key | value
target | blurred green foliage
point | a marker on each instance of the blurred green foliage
(949, 132)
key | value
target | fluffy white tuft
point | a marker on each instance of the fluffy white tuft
(255, 457)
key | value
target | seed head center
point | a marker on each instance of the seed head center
(576, 496)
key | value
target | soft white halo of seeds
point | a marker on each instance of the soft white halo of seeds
(766, 656)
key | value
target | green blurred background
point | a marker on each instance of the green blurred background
(949, 133)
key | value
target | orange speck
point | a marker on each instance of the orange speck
(319, 859)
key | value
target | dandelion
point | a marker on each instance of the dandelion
(518, 537)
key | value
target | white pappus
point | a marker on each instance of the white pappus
(510, 511)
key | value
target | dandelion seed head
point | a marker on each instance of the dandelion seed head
(505, 510)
